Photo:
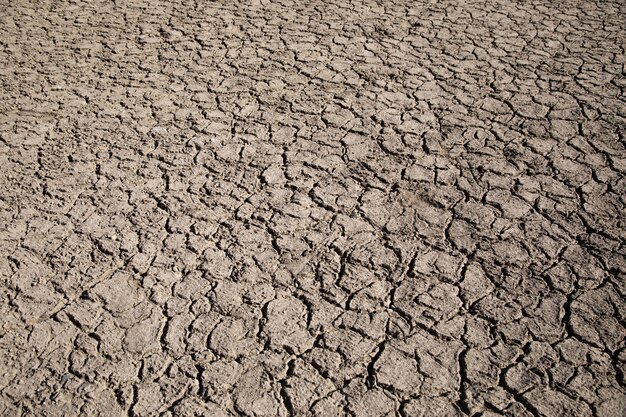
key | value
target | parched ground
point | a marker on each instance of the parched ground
(312, 208)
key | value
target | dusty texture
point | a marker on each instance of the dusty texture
(283, 208)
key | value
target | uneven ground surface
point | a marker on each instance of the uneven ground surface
(312, 208)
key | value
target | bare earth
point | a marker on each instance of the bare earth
(312, 208)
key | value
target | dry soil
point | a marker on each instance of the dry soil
(312, 208)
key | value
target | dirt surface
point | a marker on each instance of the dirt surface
(340, 208)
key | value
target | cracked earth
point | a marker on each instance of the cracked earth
(315, 208)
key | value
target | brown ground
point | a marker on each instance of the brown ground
(312, 208)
